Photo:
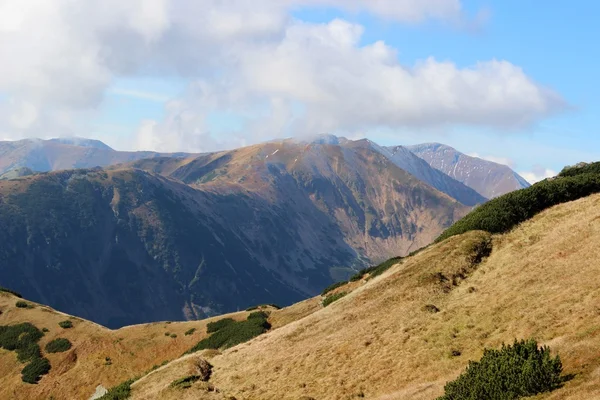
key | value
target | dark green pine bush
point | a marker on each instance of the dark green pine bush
(22, 304)
(58, 345)
(218, 325)
(505, 212)
(232, 332)
(35, 369)
(510, 373)
(333, 287)
(65, 324)
(119, 392)
(23, 339)
(333, 297)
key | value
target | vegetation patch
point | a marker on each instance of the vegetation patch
(233, 333)
(23, 339)
(65, 324)
(190, 331)
(333, 297)
(58, 345)
(376, 269)
(23, 304)
(119, 392)
(333, 287)
(501, 214)
(185, 383)
(513, 372)
(2, 289)
(218, 325)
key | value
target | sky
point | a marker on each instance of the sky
(512, 81)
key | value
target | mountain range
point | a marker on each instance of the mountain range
(403, 330)
(138, 237)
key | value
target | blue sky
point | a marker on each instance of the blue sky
(218, 86)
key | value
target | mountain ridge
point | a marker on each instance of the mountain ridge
(488, 178)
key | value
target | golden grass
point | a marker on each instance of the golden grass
(541, 280)
(76, 373)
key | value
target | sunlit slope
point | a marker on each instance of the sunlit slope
(385, 340)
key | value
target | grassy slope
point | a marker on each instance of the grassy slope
(540, 281)
(76, 373)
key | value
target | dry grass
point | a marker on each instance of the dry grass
(76, 373)
(541, 280)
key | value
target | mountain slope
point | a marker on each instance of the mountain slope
(487, 178)
(270, 223)
(539, 281)
(64, 153)
(405, 159)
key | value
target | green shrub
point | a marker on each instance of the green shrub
(173, 335)
(333, 297)
(218, 325)
(23, 304)
(167, 334)
(2, 289)
(119, 392)
(23, 339)
(58, 345)
(505, 212)
(234, 332)
(333, 287)
(65, 324)
(186, 382)
(510, 373)
(45, 330)
(579, 169)
(258, 314)
(35, 369)
(190, 331)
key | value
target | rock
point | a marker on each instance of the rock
(100, 391)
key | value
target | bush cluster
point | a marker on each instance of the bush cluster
(373, 271)
(119, 392)
(579, 169)
(510, 373)
(218, 325)
(23, 339)
(232, 333)
(333, 287)
(22, 304)
(190, 331)
(505, 212)
(65, 324)
(58, 345)
(333, 297)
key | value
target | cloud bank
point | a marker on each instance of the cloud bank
(278, 76)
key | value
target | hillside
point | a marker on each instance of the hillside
(539, 281)
(98, 356)
(488, 178)
(272, 223)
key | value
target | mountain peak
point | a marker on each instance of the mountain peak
(81, 142)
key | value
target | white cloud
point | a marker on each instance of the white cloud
(248, 58)
(140, 94)
(537, 174)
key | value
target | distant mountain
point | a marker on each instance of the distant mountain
(65, 153)
(488, 178)
(171, 238)
(411, 163)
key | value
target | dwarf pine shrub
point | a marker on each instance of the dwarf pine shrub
(515, 371)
